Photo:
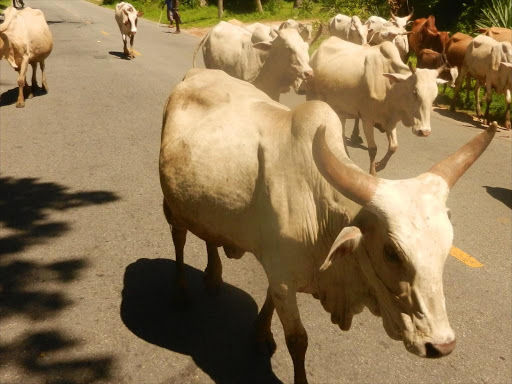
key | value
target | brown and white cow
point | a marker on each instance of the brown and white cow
(424, 34)
(25, 39)
(126, 16)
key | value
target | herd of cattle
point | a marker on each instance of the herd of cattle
(244, 172)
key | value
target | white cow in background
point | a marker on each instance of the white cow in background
(373, 84)
(25, 39)
(126, 16)
(242, 171)
(349, 29)
(273, 66)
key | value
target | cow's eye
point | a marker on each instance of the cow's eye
(391, 254)
(415, 93)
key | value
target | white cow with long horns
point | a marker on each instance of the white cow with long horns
(242, 171)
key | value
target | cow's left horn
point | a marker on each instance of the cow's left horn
(342, 174)
(453, 167)
(408, 17)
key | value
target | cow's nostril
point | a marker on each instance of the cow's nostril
(431, 351)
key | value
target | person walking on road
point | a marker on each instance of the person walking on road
(18, 4)
(172, 13)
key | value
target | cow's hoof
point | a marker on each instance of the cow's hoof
(380, 166)
(508, 126)
(266, 344)
(45, 88)
(20, 104)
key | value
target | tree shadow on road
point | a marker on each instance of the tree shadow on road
(502, 194)
(216, 331)
(33, 291)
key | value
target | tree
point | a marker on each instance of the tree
(220, 5)
(258, 5)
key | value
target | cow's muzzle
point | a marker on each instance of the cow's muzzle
(435, 351)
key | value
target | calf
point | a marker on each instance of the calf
(126, 17)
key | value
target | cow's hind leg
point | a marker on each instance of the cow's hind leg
(477, 99)
(393, 146)
(488, 100)
(355, 138)
(33, 86)
(43, 76)
(508, 99)
(179, 237)
(264, 338)
(22, 82)
(213, 276)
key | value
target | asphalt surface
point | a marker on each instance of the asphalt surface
(86, 258)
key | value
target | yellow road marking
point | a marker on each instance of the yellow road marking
(465, 258)
(105, 33)
(137, 53)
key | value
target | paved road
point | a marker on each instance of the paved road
(86, 261)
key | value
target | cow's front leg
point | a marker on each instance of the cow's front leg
(132, 55)
(125, 46)
(285, 301)
(372, 147)
(458, 84)
(355, 138)
(264, 338)
(213, 276)
(488, 100)
(21, 82)
(393, 145)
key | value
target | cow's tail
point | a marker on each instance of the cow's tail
(201, 43)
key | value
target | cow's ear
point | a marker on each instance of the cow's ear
(441, 81)
(395, 77)
(263, 45)
(139, 14)
(347, 242)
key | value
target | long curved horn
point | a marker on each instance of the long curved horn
(453, 167)
(317, 36)
(393, 16)
(342, 174)
(408, 17)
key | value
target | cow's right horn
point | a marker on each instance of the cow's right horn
(453, 167)
(408, 17)
(342, 174)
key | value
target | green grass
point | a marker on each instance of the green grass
(207, 16)
(467, 105)
(4, 4)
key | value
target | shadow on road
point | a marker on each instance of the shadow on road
(119, 55)
(460, 116)
(502, 194)
(216, 331)
(11, 96)
(33, 291)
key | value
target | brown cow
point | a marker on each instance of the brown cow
(497, 33)
(424, 34)
(430, 59)
(455, 51)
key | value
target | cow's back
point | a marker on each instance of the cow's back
(229, 48)
(456, 48)
(498, 33)
(38, 32)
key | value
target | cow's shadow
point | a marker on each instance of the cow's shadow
(11, 96)
(502, 194)
(119, 55)
(216, 331)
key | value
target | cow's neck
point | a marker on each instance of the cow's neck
(269, 78)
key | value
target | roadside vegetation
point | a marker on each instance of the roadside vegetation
(4, 4)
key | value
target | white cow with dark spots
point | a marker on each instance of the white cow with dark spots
(126, 17)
